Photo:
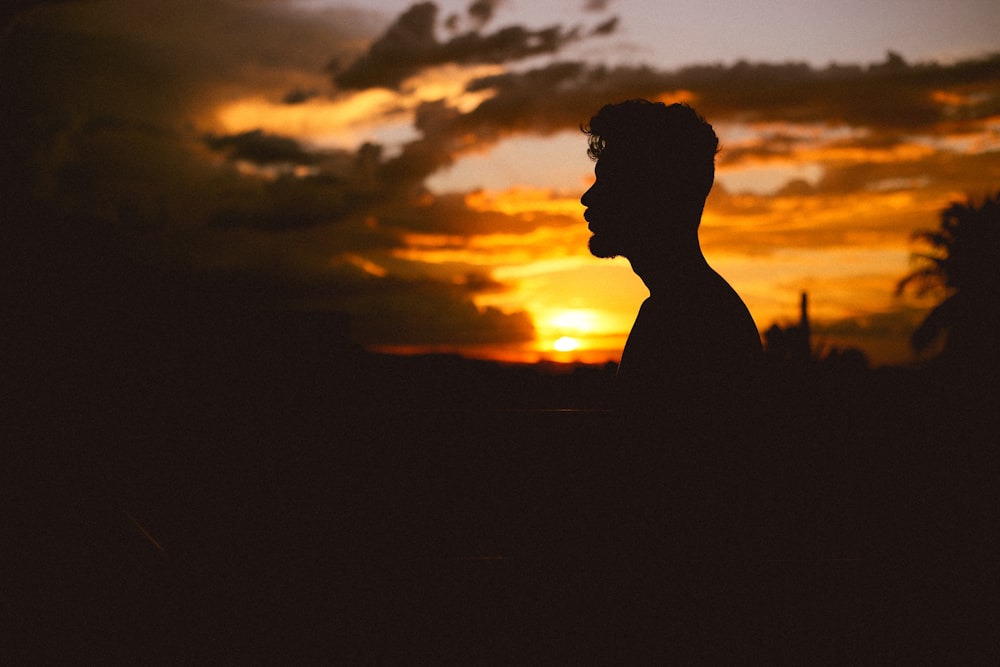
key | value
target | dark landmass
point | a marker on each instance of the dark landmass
(253, 487)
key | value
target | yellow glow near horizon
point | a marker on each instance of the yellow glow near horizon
(573, 329)
(580, 320)
(511, 255)
(565, 344)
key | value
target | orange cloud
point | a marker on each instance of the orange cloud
(529, 202)
(347, 119)
(517, 252)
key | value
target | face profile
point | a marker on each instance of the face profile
(612, 209)
(655, 166)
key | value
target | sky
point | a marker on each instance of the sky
(419, 165)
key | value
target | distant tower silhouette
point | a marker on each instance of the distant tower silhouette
(793, 343)
(804, 333)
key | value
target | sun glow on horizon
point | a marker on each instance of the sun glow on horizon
(582, 320)
(578, 330)
(565, 344)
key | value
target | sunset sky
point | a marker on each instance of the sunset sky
(419, 166)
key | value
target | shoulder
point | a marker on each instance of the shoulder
(709, 312)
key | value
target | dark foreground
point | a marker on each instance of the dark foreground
(400, 514)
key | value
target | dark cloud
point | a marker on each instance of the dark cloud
(99, 109)
(478, 13)
(106, 58)
(766, 146)
(13, 8)
(449, 214)
(288, 202)
(606, 28)
(797, 187)
(891, 96)
(261, 148)
(572, 92)
(419, 159)
(941, 170)
(410, 45)
(887, 97)
(435, 314)
(386, 310)
(299, 95)
(482, 10)
(110, 180)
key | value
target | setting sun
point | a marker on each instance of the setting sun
(566, 344)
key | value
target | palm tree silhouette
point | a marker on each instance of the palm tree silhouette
(963, 262)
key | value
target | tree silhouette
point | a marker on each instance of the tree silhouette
(963, 262)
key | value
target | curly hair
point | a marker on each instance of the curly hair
(673, 141)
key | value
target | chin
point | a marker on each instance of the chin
(602, 248)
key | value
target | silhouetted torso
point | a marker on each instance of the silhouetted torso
(691, 358)
(685, 390)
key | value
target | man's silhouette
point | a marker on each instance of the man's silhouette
(681, 472)
(694, 348)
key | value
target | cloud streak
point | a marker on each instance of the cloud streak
(411, 45)
(884, 98)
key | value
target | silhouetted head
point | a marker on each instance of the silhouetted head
(655, 167)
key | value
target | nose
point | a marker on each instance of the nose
(587, 196)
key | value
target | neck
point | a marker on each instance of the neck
(664, 270)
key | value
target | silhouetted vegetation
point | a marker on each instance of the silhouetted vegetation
(963, 264)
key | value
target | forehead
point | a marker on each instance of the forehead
(613, 160)
(621, 163)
